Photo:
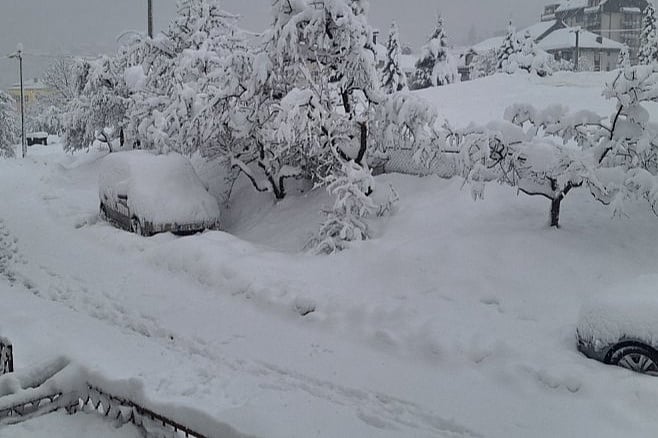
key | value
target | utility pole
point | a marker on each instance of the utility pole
(19, 55)
(150, 18)
(576, 57)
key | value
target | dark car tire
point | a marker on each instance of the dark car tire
(136, 226)
(635, 357)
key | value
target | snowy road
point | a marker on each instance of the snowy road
(219, 348)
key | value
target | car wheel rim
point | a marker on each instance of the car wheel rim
(640, 363)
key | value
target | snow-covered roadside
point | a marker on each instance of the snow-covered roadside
(60, 425)
(457, 320)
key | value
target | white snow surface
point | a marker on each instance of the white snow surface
(160, 188)
(457, 320)
(60, 425)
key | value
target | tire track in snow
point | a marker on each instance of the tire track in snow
(375, 409)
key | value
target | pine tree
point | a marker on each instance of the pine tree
(648, 53)
(624, 59)
(436, 65)
(8, 125)
(509, 47)
(394, 78)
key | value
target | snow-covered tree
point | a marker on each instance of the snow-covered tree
(98, 111)
(551, 152)
(624, 59)
(394, 79)
(43, 115)
(648, 53)
(436, 65)
(509, 47)
(528, 58)
(8, 125)
(313, 85)
(187, 81)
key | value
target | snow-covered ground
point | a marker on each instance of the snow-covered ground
(457, 320)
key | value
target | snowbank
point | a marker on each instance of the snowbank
(160, 188)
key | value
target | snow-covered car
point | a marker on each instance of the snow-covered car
(622, 330)
(148, 194)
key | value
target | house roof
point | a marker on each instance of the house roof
(31, 84)
(489, 44)
(566, 39)
(537, 30)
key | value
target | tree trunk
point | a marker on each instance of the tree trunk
(555, 211)
(363, 143)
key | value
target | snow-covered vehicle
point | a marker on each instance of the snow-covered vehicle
(148, 194)
(622, 330)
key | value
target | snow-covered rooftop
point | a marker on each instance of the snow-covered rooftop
(32, 84)
(566, 39)
(571, 4)
(489, 44)
(538, 29)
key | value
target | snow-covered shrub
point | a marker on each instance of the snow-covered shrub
(406, 121)
(8, 125)
(528, 57)
(346, 221)
(648, 53)
(393, 78)
(436, 65)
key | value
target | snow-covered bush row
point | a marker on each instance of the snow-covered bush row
(551, 152)
(8, 125)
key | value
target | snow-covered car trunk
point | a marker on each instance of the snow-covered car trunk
(149, 193)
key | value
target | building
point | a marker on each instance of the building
(595, 52)
(617, 20)
(32, 90)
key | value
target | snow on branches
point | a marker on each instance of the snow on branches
(8, 125)
(436, 65)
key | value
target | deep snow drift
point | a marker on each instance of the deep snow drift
(458, 319)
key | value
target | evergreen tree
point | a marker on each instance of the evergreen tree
(649, 38)
(509, 47)
(394, 78)
(8, 125)
(436, 66)
(624, 59)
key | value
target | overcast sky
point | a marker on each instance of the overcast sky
(90, 27)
